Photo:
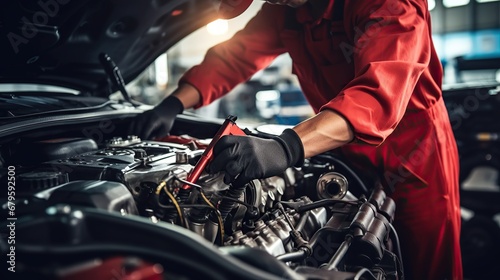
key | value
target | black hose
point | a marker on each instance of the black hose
(292, 256)
(183, 195)
(302, 222)
(362, 272)
(227, 204)
(186, 206)
(395, 237)
(323, 203)
(340, 253)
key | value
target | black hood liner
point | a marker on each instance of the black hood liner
(26, 104)
(59, 41)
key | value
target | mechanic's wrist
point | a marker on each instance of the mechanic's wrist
(171, 106)
(293, 147)
(189, 95)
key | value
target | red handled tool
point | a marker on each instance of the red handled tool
(229, 127)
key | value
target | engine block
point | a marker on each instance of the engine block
(306, 219)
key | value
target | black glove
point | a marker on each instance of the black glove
(158, 121)
(244, 158)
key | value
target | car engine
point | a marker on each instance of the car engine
(128, 204)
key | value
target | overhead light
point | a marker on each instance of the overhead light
(455, 3)
(218, 27)
(432, 4)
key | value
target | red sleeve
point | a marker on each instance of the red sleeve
(390, 51)
(236, 60)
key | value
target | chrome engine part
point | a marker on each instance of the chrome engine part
(332, 185)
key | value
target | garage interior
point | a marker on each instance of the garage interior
(94, 201)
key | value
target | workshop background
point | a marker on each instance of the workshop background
(466, 34)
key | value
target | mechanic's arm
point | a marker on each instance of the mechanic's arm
(323, 132)
(188, 95)
(236, 60)
(231, 62)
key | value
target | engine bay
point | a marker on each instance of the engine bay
(78, 200)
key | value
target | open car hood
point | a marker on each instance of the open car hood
(59, 42)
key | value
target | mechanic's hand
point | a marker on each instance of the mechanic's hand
(244, 158)
(157, 122)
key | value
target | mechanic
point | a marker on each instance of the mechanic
(370, 72)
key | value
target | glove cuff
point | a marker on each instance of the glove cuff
(171, 106)
(293, 147)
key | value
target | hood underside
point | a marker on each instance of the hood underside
(58, 42)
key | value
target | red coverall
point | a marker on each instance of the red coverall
(376, 66)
